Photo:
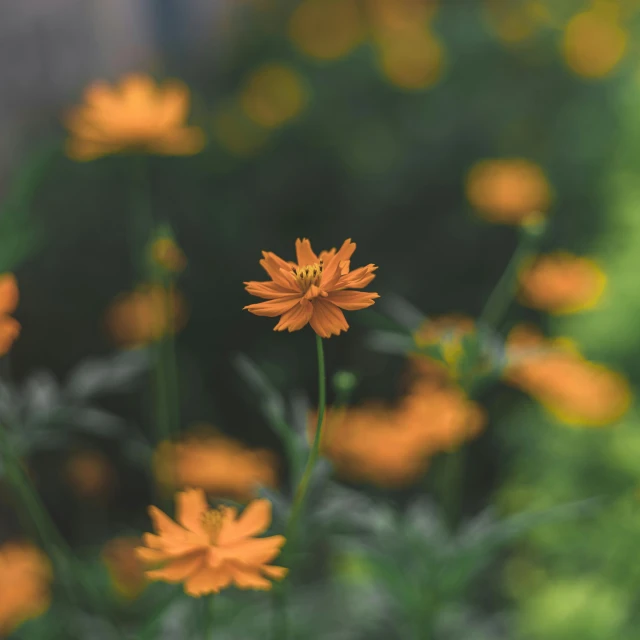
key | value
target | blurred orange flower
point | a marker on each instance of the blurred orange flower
(515, 22)
(273, 94)
(508, 191)
(25, 578)
(223, 467)
(391, 446)
(90, 474)
(574, 390)
(146, 315)
(594, 42)
(125, 569)
(9, 326)
(561, 283)
(400, 15)
(137, 114)
(212, 548)
(165, 253)
(313, 290)
(326, 29)
(412, 58)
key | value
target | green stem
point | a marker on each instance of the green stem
(210, 617)
(303, 486)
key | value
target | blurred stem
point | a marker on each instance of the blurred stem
(301, 491)
(210, 616)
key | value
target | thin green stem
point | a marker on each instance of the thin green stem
(210, 617)
(303, 486)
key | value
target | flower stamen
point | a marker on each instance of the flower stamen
(308, 275)
(212, 524)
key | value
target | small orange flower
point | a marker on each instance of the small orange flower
(165, 253)
(90, 474)
(312, 291)
(125, 568)
(25, 578)
(146, 315)
(9, 326)
(137, 114)
(212, 548)
(221, 466)
(561, 283)
(508, 191)
(574, 390)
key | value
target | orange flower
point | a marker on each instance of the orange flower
(25, 577)
(90, 474)
(136, 115)
(574, 390)
(508, 191)
(211, 548)
(561, 283)
(9, 326)
(146, 315)
(125, 568)
(221, 466)
(314, 290)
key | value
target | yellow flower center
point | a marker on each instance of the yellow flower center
(309, 275)
(212, 524)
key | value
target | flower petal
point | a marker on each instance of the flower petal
(191, 505)
(358, 278)
(352, 300)
(272, 264)
(245, 578)
(252, 552)
(268, 290)
(327, 319)
(274, 572)
(304, 253)
(164, 525)
(9, 332)
(332, 269)
(151, 556)
(208, 580)
(277, 307)
(255, 519)
(178, 569)
(295, 318)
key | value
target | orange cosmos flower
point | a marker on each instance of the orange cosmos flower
(125, 568)
(9, 326)
(137, 114)
(221, 466)
(508, 191)
(146, 315)
(574, 390)
(312, 290)
(212, 548)
(561, 283)
(25, 578)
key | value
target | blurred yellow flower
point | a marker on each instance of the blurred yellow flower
(326, 29)
(9, 326)
(400, 15)
(90, 474)
(236, 132)
(146, 315)
(594, 42)
(514, 22)
(561, 283)
(273, 94)
(126, 571)
(508, 191)
(574, 390)
(136, 115)
(412, 58)
(223, 467)
(25, 579)
(166, 254)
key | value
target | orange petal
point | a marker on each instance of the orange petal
(296, 318)
(9, 332)
(272, 264)
(245, 578)
(272, 308)
(255, 519)
(191, 505)
(267, 290)
(274, 572)
(352, 300)
(9, 294)
(179, 569)
(304, 253)
(175, 102)
(358, 278)
(152, 556)
(164, 525)
(331, 269)
(208, 580)
(327, 319)
(252, 551)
